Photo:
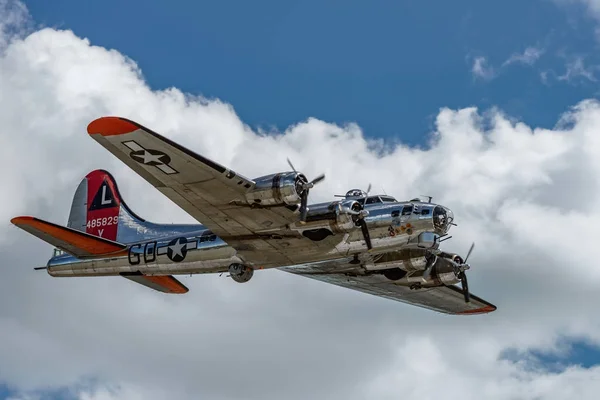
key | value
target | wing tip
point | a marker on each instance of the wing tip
(22, 220)
(111, 126)
(483, 310)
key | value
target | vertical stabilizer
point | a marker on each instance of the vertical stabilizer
(99, 209)
(96, 206)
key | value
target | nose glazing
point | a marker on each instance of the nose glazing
(442, 219)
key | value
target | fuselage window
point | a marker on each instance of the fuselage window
(373, 200)
(425, 211)
(407, 210)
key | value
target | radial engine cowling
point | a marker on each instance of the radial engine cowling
(342, 212)
(442, 272)
(277, 189)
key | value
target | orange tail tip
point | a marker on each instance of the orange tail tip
(162, 283)
(80, 244)
(111, 126)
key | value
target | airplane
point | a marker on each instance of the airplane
(370, 243)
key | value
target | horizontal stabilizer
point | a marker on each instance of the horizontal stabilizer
(162, 283)
(77, 243)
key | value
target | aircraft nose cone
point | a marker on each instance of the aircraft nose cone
(442, 219)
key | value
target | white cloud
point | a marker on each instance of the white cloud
(481, 69)
(527, 195)
(575, 69)
(592, 6)
(529, 56)
(14, 20)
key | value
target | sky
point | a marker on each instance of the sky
(388, 66)
(488, 106)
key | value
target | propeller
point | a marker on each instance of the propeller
(363, 224)
(304, 187)
(358, 216)
(365, 231)
(461, 274)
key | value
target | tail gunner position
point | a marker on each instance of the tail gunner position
(370, 243)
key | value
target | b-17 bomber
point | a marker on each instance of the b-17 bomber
(370, 243)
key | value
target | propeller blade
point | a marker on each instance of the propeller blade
(469, 253)
(365, 232)
(465, 287)
(430, 263)
(292, 165)
(369, 189)
(318, 179)
(304, 205)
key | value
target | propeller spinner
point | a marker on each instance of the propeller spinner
(303, 186)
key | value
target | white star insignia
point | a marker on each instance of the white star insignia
(148, 158)
(177, 248)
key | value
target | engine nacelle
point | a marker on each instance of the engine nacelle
(407, 264)
(342, 213)
(442, 272)
(455, 258)
(276, 189)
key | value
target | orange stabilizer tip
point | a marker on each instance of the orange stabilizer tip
(111, 126)
(168, 282)
(87, 243)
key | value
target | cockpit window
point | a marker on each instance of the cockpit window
(373, 200)
(388, 199)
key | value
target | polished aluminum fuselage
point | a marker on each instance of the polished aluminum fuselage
(193, 249)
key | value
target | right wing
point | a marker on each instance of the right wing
(208, 192)
(444, 299)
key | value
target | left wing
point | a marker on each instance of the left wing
(80, 244)
(444, 299)
(207, 191)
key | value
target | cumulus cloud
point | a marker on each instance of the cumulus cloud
(14, 20)
(527, 195)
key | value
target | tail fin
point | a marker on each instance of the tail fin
(100, 222)
(98, 209)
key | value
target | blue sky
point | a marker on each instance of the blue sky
(389, 65)
(385, 65)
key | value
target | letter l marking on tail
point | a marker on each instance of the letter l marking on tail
(104, 199)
